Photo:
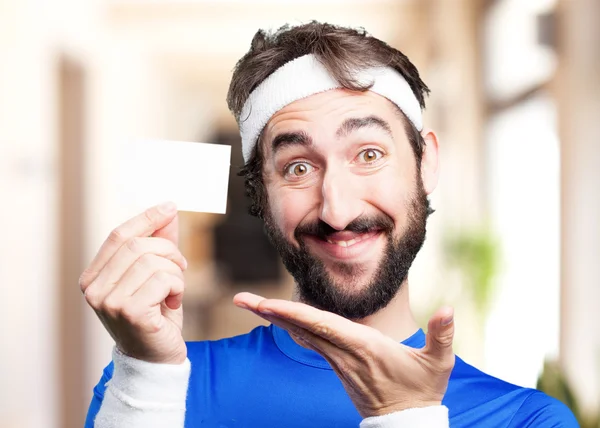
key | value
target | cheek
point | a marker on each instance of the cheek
(290, 207)
(390, 192)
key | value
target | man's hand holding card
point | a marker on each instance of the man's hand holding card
(135, 283)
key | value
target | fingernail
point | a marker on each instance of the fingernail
(166, 207)
(448, 320)
(185, 263)
(266, 311)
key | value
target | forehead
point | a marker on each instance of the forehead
(328, 109)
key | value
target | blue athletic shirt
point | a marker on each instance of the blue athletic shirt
(264, 379)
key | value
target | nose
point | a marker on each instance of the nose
(341, 201)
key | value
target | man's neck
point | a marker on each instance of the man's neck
(396, 320)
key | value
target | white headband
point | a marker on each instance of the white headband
(306, 76)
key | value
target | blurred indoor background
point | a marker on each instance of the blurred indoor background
(514, 244)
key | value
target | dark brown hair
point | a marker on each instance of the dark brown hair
(342, 51)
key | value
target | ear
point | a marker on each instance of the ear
(430, 161)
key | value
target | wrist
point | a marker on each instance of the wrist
(136, 381)
(429, 416)
(176, 358)
(399, 407)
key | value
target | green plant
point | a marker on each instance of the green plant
(476, 253)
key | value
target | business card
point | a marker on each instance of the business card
(193, 175)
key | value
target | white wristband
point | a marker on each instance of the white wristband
(426, 417)
(144, 383)
(142, 394)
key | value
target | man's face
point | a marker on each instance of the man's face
(347, 207)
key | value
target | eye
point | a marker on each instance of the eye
(369, 156)
(298, 169)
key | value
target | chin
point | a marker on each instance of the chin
(350, 276)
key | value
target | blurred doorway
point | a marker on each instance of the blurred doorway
(71, 242)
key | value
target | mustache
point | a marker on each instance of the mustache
(320, 229)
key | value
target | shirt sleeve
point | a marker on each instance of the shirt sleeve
(98, 396)
(431, 417)
(140, 394)
(540, 410)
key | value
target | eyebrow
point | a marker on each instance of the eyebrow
(298, 138)
(354, 124)
(301, 138)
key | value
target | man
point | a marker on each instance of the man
(339, 167)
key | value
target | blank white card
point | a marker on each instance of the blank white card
(193, 175)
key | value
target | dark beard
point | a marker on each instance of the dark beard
(315, 285)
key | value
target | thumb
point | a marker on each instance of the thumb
(169, 231)
(440, 334)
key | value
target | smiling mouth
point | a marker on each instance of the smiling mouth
(346, 245)
(352, 241)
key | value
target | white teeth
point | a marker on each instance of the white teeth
(345, 243)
